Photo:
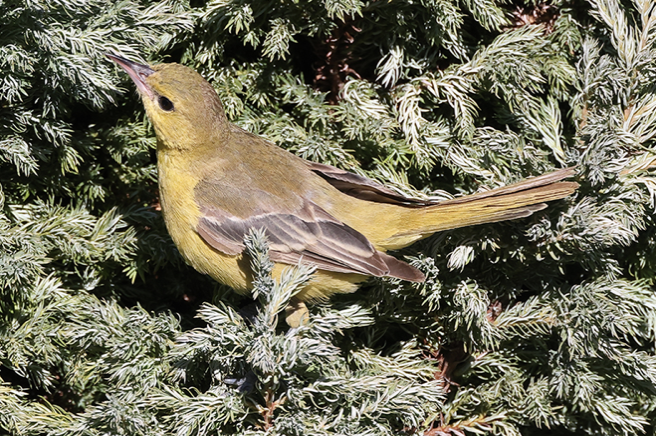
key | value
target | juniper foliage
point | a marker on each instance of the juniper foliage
(541, 325)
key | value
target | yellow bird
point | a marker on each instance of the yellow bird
(217, 181)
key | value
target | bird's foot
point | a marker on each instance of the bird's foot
(296, 314)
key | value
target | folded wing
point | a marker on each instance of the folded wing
(310, 235)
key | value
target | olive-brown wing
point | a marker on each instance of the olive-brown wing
(309, 235)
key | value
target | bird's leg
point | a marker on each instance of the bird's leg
(297, 313)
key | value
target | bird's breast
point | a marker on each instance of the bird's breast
(181, 214)
(176, 187)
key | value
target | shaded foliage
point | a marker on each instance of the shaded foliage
(526, 327)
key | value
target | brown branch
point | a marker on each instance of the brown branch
(271, 405)
(539, 14)
(459, 428)
(335, 54)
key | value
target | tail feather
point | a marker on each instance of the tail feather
(509, 202)
(543, 181)
(402, 270)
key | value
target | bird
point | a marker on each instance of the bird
(218, 181)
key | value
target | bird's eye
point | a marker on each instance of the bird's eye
(165, 103)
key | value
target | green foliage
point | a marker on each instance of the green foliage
(545, 324)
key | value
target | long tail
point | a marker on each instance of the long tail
(510, 202)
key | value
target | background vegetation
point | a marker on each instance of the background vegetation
(537, 326)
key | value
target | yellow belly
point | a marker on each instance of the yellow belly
(181, 215)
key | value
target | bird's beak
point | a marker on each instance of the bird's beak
(137, 72)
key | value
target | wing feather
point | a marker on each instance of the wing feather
(309, 236)
(362, 187)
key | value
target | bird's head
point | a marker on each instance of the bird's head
(183, 107)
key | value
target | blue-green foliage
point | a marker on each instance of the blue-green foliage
(545, 324)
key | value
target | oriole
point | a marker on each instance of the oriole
(217, 181)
